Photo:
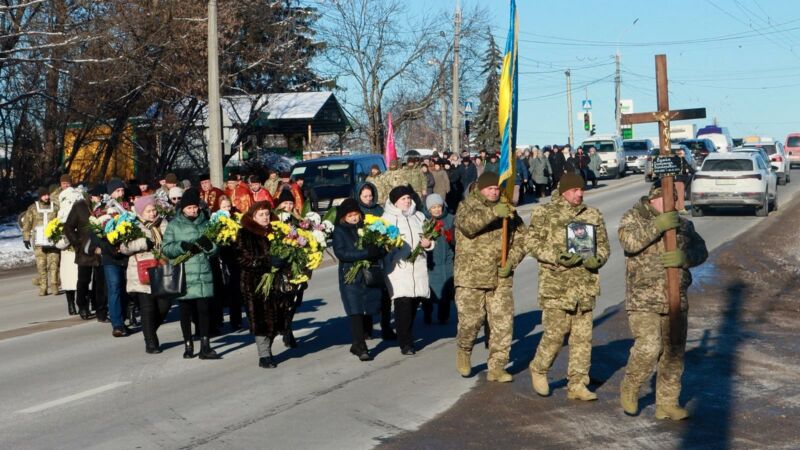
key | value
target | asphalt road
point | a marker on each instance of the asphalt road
(69, 384)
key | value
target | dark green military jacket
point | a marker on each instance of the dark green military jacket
(645, 276)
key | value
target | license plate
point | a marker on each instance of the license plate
(725, 182)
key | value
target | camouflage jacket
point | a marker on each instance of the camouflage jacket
(390, 180)
(479, 242)
(416, 179)
(37, 215)
(378, 181)
(645, 277)
(560, 287)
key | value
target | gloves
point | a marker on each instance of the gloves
(277, 262)
(568, 259)
(667, 221)
(374, 252)
(592, 263)
(27, 244)
(190, 247)
(150, 244)
(204, 243)
(676, 258)
(504, 271)
(502, 210)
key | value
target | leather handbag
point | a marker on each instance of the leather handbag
(142, 267)
(167, 281)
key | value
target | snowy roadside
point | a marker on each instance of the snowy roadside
(13, 253)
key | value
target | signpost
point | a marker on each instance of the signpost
(663, 117)
(586, 104)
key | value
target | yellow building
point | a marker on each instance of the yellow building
(88, 161)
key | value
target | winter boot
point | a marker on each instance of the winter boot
(580, 392)
(540, 384)
(463, 363)
(205, 350)
(672, 412)
(267, 362)
(288, 339)
(71, 305)
(629, 398)
(499, 375)
(188, 352)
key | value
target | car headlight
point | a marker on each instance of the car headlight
(338, 201)
(613, 162)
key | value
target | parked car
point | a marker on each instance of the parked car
(777, 158)
(735, 179)
(792, 148)
(700, 148)
(636, 153)
(648, 167)
(609, 148)
(335, 178)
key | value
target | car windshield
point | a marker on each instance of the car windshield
(728, 165)
(793, 141)
(695, 146)
(635, 146)
(769, 148)
(330, 174)
(600, 146)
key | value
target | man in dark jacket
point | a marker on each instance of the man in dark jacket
(468, 173)
(557, 163)
(78, 233)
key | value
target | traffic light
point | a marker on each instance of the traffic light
(587, 120)
(592, 133)
(466, 127)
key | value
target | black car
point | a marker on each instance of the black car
(700, 148)
(335, 178)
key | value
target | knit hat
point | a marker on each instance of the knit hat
(175, 191)
(191, 197)
(396, 193)
(98, 190)
(171, 178)
(133, 190)
(42, 191)
(66, 178)
(570, 181)
(143, 202)
(285, 196)
(348, 205)
(205, 176)
(433, 200)
(488, 179)
(115, 184)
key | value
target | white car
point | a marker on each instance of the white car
(736, 179)
(609, 149)
(777, 158)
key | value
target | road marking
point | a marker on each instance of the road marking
(73, 397)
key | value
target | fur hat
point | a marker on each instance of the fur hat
(398, 192)
(570, 181)
(191, 197)
(488, 179)
(348, 205)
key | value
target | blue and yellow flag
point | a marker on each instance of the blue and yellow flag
(507, 107)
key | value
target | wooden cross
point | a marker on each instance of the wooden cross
(663, 117)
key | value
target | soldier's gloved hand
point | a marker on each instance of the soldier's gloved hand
(667, 221)
(504, 271)
(593, 263)
(675, 258)
(568, 259)
(27, 244)
(502, 210)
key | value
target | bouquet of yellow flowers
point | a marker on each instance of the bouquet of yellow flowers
(299, 247)
(377, 232)
(222, 229)
(122, 229)
(54, 230)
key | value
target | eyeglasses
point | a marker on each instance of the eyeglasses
(175, 198)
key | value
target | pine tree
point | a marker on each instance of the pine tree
(487, 135)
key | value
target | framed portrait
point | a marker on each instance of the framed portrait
(581, 239)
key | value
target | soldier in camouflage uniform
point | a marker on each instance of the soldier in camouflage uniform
(483, 288)
(389, 180)
(568, 285)
(641, 233)
(47, 256)
(414, 177)
(377, 179)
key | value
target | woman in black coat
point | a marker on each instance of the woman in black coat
(267, 315)
(360, 302)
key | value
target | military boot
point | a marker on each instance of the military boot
(463, 363)
(672, 412)
(580, 392)
(540, 384)
(629, 399)
(499, 375)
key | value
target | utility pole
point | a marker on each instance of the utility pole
(443, 112)
(569, 109)
(456, 123)
(617, 110)
(214, 119)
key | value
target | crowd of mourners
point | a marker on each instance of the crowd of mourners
(451, 236)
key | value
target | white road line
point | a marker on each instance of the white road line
(73, 397)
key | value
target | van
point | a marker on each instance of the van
(719, 136)
(636, 153)
(609, 148)
(792, 148)
(335, 178)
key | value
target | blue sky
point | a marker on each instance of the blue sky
(742, 62)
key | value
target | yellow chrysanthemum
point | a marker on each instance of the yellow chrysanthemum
(112, 236)
(299, 279)
(271, 236)
(314, 260)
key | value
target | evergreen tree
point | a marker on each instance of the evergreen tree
(487, 135)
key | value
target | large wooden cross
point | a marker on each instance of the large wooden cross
(663, 117)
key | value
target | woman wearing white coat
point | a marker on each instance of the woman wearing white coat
(68, 270)
(407, 280)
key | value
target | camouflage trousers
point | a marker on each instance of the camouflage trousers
(495, 305)
(47, 262)
(651, 346)
(557, 324)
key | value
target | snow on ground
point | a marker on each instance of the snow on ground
(13, 253)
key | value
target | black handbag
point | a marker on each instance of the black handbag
(373, 276)
(167, 281)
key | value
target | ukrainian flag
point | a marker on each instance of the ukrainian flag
(507, 106)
